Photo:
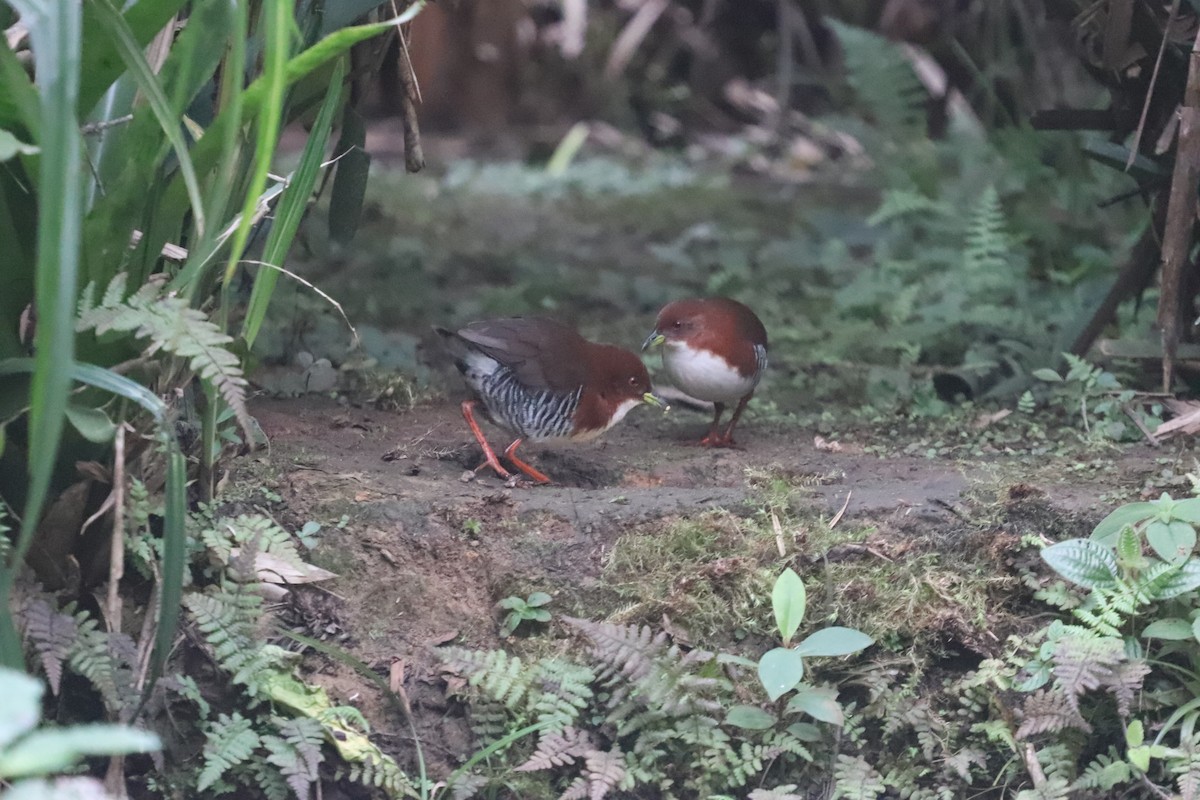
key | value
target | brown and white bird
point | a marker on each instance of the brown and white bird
(540, 380)
(714, 349)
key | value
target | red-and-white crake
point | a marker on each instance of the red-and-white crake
(714, 349)
(540, 380)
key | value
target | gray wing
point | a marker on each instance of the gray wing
(542, 353)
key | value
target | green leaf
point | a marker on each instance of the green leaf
(92, 423)
(1185, 580)
(1129, 549)
(56, 32)
(53, 750)
(131, 53)
(512, 603)
(820, 704)
(751, 718)
(788, 601)
(537, 599)
(1048, 375)
(835, 641)
(101, 63)
(539, 615)
(1083, 561)
(780, 670)
(1129, 514)
(350, 180)
(805, 731)
(1172, 541)
(11, 146)
(1171, 629)
(1187, 510)
(1135, 734)
(22, 704)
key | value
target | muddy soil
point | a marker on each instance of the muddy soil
(426, 547)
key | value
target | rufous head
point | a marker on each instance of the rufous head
(617, 382)
(706, 322)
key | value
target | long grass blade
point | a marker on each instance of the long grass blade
(56, 31)
(277, 17)
(101, 64)
(135, 61)
(292, 206)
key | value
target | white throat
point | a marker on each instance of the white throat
(618, 415)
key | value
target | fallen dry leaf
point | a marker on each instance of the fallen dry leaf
(827, 445)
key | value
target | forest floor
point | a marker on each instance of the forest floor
(909, 518)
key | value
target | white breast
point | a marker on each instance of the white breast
(704, 375)
(623, 409)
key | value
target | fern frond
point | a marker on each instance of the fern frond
(1106, 772)
(229, 741)
(901, 203)
(855, 779)
(882, 79)
(172, 325)
(297, 752)
(558, 748)
(1084, 663)
(229, 623)
(1049, 710)
(52, 635)
(987, 240)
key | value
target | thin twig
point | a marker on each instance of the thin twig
(92, 128)
(312, 286)
(1162, 47)
(414, 156)
(116, 552)
(1146, 433)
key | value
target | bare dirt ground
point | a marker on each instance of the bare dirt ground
(425, 550)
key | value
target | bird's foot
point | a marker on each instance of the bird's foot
(719, 440)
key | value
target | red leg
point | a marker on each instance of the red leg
(510, 453)
(713, 437)
(489, 454)
(727, 439)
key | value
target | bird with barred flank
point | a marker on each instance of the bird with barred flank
(540, 380)
(714, 349)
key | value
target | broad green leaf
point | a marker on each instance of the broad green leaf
(101, 62)
(1135, 734)
(22, 704)
(131, 53)
(1172, 541)
(1171, 629)
(538, 599)
(835, 641)
(11, 146)
(92, 423)
(1083, 561)
(1048, 375)
(1187, 510)
(291, 208)
(19, 100)
(350, 179)
(1129, 514)
(512, 603)
(53, 750)
(539, 615)
(1139, 757)
(780, 670)
(820, 704)
(752, 718)
(56, 30)
(788, 600)
(805, 731)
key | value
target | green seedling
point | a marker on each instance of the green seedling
(519, 610)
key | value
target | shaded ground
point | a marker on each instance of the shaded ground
(424, 553)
